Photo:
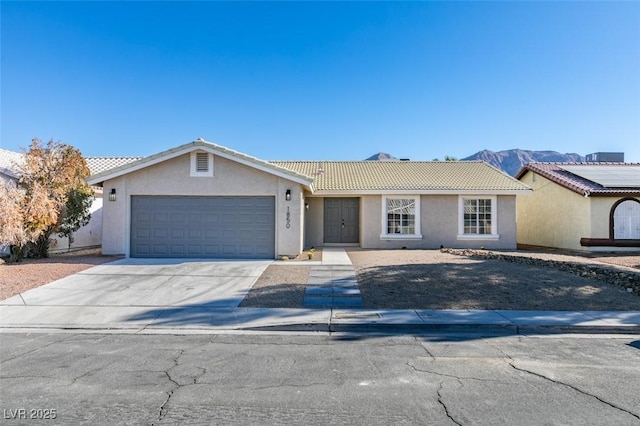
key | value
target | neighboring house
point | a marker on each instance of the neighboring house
(581, 206)
(91, 234)
(204, 200)
(8, 163)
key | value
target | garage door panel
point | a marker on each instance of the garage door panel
(230, 250)
(228, 227)
(143, 233)
(211, 250)
(158, 250)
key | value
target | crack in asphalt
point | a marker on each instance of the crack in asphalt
(86, 373)
(283, 385)
(542, 376)
(163, 410)
(444, 406)
(167, 372)
(37, 349)
(426, 349)
(452, 376)
(36, 376)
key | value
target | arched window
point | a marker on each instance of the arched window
(626, 219)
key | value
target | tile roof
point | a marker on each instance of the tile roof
(8, 162)
(101, 164)
(555, 173)
(390, 176)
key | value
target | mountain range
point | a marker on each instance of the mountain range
(509, 161)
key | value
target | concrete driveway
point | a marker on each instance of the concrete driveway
(150, 283)
(135, 294)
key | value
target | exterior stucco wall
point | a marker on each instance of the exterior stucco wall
(172, 177)
(553, 216)
(601, 214)
(439, 224)
(314, 223)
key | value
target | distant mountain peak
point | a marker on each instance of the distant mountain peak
(381, 156)
(511, 160)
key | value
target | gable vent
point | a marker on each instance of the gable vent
(202, 162)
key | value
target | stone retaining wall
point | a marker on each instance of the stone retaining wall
(627, 279)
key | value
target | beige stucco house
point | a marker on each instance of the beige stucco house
(204, 200)
(580, 206)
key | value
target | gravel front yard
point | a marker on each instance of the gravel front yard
(16, 278)
(429, 279)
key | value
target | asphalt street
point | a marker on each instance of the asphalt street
(319, 379)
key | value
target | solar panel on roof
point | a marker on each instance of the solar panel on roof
(610, 176)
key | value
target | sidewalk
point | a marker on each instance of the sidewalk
(212, 319)
(334, 273)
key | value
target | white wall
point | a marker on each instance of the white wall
(89, 235)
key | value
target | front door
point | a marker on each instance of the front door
(341, 224)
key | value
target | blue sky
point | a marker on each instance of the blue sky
(285, 81)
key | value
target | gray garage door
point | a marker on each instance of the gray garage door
(215, 227)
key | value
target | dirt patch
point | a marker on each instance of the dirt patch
(279, 286)
(16, 278)
(429, 279)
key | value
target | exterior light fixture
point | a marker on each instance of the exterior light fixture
(287, 195)
(306, 206)
(112, 194)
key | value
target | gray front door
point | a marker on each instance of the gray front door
(341, 220)
(216, 227)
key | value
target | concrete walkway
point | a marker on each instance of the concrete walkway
(332, 284)
(30, 312)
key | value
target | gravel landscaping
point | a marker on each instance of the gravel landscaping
(16, 278)
(431, 279)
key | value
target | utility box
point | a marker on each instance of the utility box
(605, 157)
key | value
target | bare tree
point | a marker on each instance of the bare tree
(51, 196)
(24, 217)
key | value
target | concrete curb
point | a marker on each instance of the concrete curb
(209, 320)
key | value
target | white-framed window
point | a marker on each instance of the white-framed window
(400, 217)
(477, 217)
(201, 164)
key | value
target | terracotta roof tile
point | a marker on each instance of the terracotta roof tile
(555, 173)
